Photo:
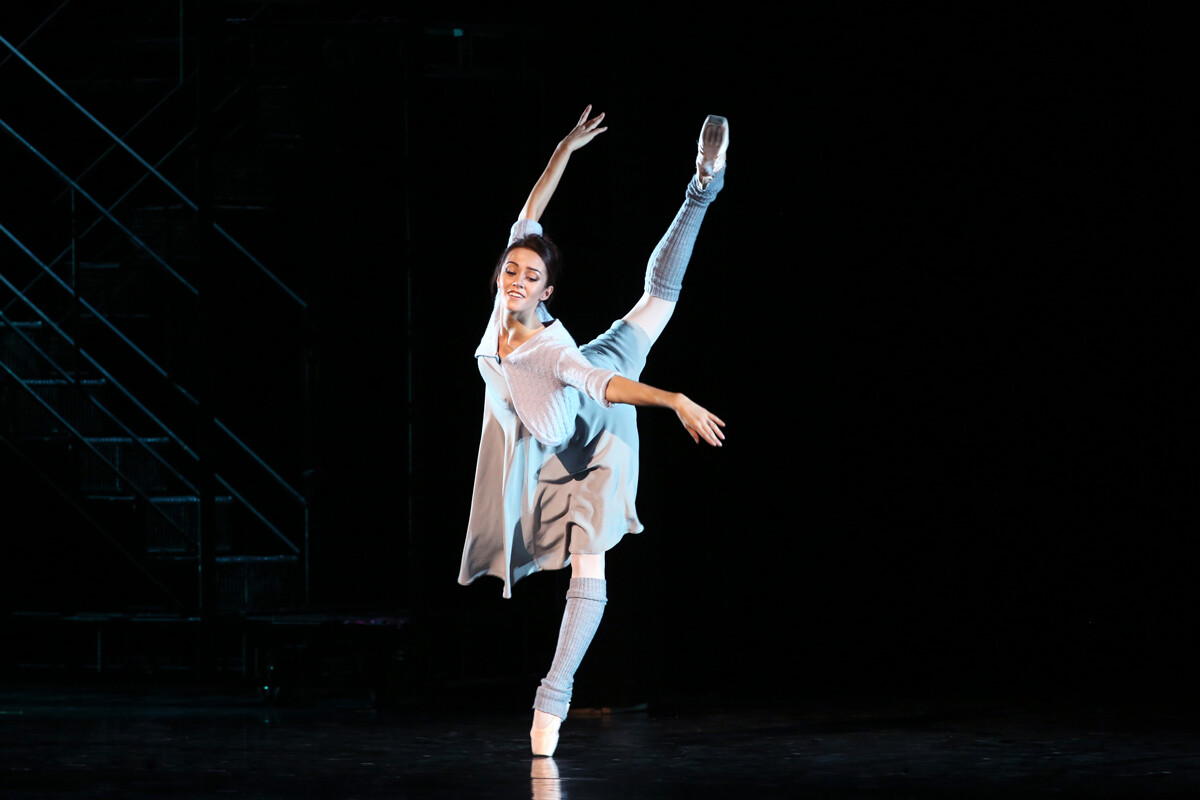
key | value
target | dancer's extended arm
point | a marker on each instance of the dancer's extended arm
(583, 132)
(699, 421)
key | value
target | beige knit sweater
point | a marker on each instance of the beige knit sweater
(546, 376)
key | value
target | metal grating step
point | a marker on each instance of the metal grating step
(29, 419)
(118, 290)
(95, 279)
(119, 316)
(245, 582)
(130, 457)
(184, 511)
(18, 341)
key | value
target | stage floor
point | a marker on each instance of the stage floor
(98, 741)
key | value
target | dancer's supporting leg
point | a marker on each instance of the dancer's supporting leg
(669, 261)
(586, 598)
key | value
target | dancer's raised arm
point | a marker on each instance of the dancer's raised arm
(584, 131)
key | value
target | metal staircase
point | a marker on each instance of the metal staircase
(124, 299)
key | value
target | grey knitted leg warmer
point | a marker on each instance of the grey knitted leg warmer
(668, 262)
(586, 598)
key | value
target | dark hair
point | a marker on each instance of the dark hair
(546, 250)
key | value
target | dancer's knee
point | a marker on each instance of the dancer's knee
(651, 314)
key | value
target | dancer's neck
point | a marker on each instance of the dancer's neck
(516, 328)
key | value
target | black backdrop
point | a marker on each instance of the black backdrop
(920, 304)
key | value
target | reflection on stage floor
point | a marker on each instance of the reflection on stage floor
(99, 741)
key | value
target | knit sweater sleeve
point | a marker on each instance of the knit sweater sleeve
(522, 228)
(574, 370)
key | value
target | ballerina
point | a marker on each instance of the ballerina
(557, 473)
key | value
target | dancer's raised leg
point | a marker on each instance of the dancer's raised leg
(669, 261)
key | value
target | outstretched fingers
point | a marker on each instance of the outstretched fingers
(584, 122)
(710, 431)
(585, 130)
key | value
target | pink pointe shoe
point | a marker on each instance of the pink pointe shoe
(710, 156)
(543, 736)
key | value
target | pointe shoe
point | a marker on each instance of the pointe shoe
(710, 155)
(543, 736)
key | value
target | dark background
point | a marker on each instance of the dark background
(926, 305)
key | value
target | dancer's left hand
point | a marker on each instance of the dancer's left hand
(584, 131)
(700, 422)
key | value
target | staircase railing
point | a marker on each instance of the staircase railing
(47, 272)
(152, 170)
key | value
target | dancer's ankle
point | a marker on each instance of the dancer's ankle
(544, 719)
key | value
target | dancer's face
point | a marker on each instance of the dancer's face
(522, 280)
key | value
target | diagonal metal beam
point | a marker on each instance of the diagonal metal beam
(170, 93)
(299, 498)
(89, 446)
(258, 514)
(41, 25)
(96, 366)
(147, 166)
(86, 305)
(100, 207)
(116, 139)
